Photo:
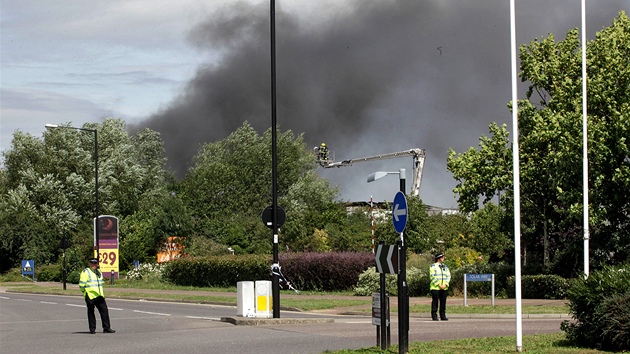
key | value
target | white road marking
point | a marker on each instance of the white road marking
(48, 302)
(152, 313)
(75, 305)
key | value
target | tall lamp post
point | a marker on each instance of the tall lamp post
(275, 280)
(403, 292)
(96, 228)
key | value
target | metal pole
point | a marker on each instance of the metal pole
(517, 187)
(465, 289)
(403, 293)
(64, 266)
(96, 224)
(275, 284)
(585, 144)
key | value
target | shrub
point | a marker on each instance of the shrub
(147, 272)
(370, 282)
(600, 308)
(306, 271)
(418, 281)
(327, 271)
(51, 272)
(221, 271)
(74, 277)
(501, 273)
(555, 287)
(615, 322)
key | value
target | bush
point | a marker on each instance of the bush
(615, 322)
(51, 272)
(545, 286)
(370, 282)
(329, 271)
(74, 277)
(501, 273)
(147, 272)
(220, 271)
(600, 308)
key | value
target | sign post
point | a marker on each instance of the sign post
(399, 218)
(387, 261)
(478, 277)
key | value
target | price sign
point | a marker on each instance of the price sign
(108, 260)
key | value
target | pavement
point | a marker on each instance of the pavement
(364, 309)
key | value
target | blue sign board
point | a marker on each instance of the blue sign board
(28, 267)
(399, 212)
(478, 277)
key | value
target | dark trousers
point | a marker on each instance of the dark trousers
(101, 305)
(438, 295)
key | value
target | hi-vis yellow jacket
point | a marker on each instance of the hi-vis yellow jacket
(440, 275)
(91, 284)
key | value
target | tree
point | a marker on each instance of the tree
(230, 185)
(48, 184)
(551, 150)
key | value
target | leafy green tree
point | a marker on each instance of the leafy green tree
(418, 238)
(230, 185)
(550, 136)
(48, 186)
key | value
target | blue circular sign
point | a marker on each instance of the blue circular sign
(399, 212)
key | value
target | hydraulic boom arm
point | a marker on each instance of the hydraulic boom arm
(418, 164)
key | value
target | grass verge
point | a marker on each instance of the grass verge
(221, 296)
(532, 344)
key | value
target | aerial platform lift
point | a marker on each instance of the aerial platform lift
(418, 155)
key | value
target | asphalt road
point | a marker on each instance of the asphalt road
(58, 324)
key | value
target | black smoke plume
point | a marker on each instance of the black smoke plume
(378, 76)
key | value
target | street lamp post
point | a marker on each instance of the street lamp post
(96, 228)
(275, 280)
(403, 289)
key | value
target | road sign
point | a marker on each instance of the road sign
(399, 212)
(28, 267)
(387, 259)
(267, 216)
(478, 277)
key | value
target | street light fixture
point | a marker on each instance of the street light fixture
(380, 174)
(96, 228)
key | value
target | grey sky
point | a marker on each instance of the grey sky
(367, 77)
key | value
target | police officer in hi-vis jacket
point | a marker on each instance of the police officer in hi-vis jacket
(440, 277)
(91, 285)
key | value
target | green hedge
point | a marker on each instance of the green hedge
(219, 271)
(547, 286)
(328, 271)
(555, 287)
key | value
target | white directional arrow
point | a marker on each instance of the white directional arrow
(399, 212)
(379, 267)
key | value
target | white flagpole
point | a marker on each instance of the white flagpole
(585, 144)
(517, 187)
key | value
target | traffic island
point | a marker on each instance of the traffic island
(252, 321)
